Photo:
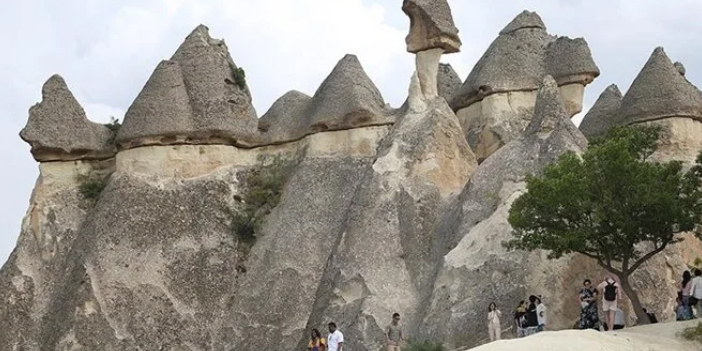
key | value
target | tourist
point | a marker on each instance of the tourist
(335, 340)
(532, 318)
(696, 292)
(393, 333)
(588, 307)
(611, 293)
(493, 319)
(541, 314)
(619, 320)
(680, 309)
(317, 342)
(520, 319)
(684, 292)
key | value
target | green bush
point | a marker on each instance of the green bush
(693, 333)
(113, 126)
(90, 189)
(240, 77)
(424, 346)
(261, 191)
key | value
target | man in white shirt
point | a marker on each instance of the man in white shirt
(541, 314)
(335, 340)
(696, 290)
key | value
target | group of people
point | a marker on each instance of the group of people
(610, 291)
(335, 341)
(529, 318)
(689, 296)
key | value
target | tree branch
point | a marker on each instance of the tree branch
(647, 256)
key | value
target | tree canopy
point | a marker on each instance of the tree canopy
(612, 204)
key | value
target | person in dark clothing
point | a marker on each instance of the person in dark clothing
(532, 319)
(520, 319)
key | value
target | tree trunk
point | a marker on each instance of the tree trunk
(641, 316)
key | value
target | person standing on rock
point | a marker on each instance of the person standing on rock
(696, 292)
(611, 293)
(335, 340)
(317, 342)
(493, 319)
(588, 307)
(532, 317)
(684, 292)
(393, 333)
(520, 319)
(540, 314)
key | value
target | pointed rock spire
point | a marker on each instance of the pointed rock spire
(570, 61)
(659, 91)
(347, 98)
(602, 114)
(549, 109)
(524, 20)
(448, 81)
(431, 26)
(161, 110)
(58, 130)
(284, 120)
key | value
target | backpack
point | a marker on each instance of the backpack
(610, 292)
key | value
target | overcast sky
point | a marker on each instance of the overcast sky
(107, 49)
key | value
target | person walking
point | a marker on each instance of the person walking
(589, 318)
(684, 292)
(611, 293)
(393, 333)
(696, 292)
(317, 342)
(493, 319)
(335, 340)
(540, 314)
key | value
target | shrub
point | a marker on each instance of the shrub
(424, 346)
(90, 189)
(113, 126)
(693, 333)
(261, 191)
(240, 77)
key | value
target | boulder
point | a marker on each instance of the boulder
(58, 130)
(496, 101)
(431, 26)
(603, 114)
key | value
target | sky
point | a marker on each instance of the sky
(106, 50)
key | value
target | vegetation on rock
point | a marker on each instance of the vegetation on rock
(613, 205)
(693, 333)
(424, 346)
(240, 77)
(91, 189)
(261, 190)
(113, 126)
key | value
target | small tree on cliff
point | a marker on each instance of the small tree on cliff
(611, 205)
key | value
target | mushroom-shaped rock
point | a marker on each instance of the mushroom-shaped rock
(58, 130)
(285, 119)
(219, 97)
(346, 99)
(160, 112)
(513, 62)
(659, 91)
(570, 61)
(448, 81)
(602, 114)
(431, 26)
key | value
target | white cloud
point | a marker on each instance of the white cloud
(106, 51)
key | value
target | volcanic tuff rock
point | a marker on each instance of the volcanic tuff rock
(198, 97)
(603, 114)
(448, 81)
(496, 101)
(285, 120)
(58, 130)
(431, 26)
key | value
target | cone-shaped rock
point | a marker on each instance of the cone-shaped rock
(285, 119)
(570, 61)
(602, 114)
(476, 269)
(161, 110)
(431, 26)
(659, 91)
(448, 81)
(58, 130)
(347, 98)
(219, 97)
(524, 20)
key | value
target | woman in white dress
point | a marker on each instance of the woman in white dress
(493, 319)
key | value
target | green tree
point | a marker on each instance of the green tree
(611, 204)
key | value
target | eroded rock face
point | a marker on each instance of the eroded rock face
(477, 269)
(448, 81)
(431, 26)
(496, 101)
(199, 96)
(602, 114)
(58, 130)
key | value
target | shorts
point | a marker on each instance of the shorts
(609, 305)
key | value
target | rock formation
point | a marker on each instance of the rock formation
(199, 96)
(603, 114)
(496, 101)
(58, 129)
(142, 245)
